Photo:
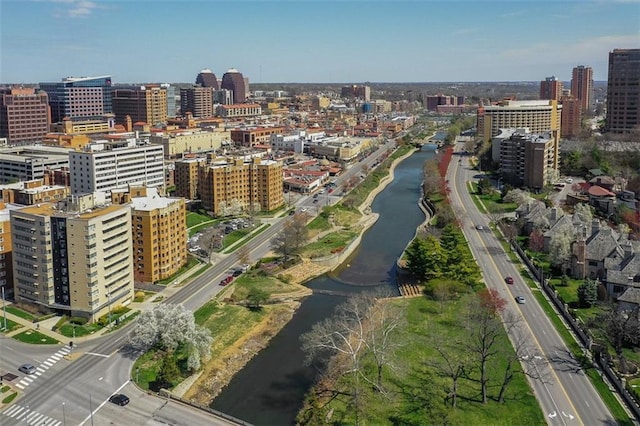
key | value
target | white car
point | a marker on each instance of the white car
(304, 209)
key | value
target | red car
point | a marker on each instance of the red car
(509, 280)
(226, 280)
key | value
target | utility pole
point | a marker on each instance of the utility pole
(4, 309)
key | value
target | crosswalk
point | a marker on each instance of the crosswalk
(27, 380)
(23, 414)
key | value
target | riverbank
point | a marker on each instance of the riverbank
(206, 385)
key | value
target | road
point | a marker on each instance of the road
(565, 394)
(83, 386)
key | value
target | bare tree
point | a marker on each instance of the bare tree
(620, 327)
(485, 331)
(293, 236)
(454, 364)
(362, 327)
(243, 254)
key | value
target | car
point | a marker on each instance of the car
(237, 273)
(479, 227)
(304, 209)
(27, 369)
(223, 282)
(508, 280)
(569, 180)
(119, 399)
(315, 200)
(520, 299)
(292, 212)
(315, 195)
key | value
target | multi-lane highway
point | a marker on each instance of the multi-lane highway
(77, 392)
(565, 393)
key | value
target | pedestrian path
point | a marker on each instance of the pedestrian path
(20, 413)
(42, 368)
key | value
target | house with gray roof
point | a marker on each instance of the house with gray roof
(630, 299)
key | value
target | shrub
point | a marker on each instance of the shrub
(78, 320)
(63, 319)
(10, 398)
(139, 296)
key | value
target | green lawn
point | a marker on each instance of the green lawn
(35, 337)
(416, 389)
(229, 240)
(492, 202)
(69, 330)
(328, 244)
(11, 325)
(256, 278)
(20, 313)
(194, 219)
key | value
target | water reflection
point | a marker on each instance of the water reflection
(270, 389)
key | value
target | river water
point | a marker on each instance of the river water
(270, 389)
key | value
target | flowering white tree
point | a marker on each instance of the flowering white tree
(168, 326)
(560, 245)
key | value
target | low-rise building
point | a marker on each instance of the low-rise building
(177, 143)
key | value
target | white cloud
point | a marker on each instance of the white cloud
(75, 8)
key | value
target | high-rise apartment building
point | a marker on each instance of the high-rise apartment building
(571, 121)
(159, 229)
(186, 177)
(538, 116)
(171, 99)
(79, 97)
(206, 78)
(74, 258)
(198, 101)
(582, 87)
(146, 103)
(24, 115)
(233, 186)
(356, 91)
(6, 253)
(551, 88)
(110, 165)
(233, 80)
(623, 91)
(526, 159)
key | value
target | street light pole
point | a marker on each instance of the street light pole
(109, 302)
(91, 409)
(4, 309)
(64, 416)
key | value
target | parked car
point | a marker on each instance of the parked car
(520, 299)
(119, 399)
(237, 273)
(508, 280)
(27, 369)
(479, 227)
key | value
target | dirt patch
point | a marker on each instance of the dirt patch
(219, 372)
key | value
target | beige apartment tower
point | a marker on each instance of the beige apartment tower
(232, 186)
(186, 177)
(73, 257)
(159, 231)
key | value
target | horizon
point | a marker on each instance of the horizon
(275, 42)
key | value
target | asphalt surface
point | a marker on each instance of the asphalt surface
(564, 392)
(77, 392)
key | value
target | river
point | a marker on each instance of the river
(270, 389)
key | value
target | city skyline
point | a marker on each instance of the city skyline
(311, 41)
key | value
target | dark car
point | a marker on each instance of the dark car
(237, 273)
(27, 369)
(508, 280)
(119, 399)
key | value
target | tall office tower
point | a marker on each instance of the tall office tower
(582, 87)
(623, 91)
(116, 165)
(159, 232)
(171, 99)
(571, 120)
(74, 257)
(79, 97)
(24, 115)
(551, 88)
(146, 103)
(198, 101)
(233, 80)
(206, 78)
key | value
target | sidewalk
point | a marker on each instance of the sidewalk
(46, 327)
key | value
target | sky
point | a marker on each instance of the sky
(305, 41)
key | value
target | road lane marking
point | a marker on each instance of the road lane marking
(102, 405)
(36, 419)
(495, 267)
(19, 386)
(40, 369)
(48, 364)
(56, 357)
(13, 412)
(95, 354)
(28, 379)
